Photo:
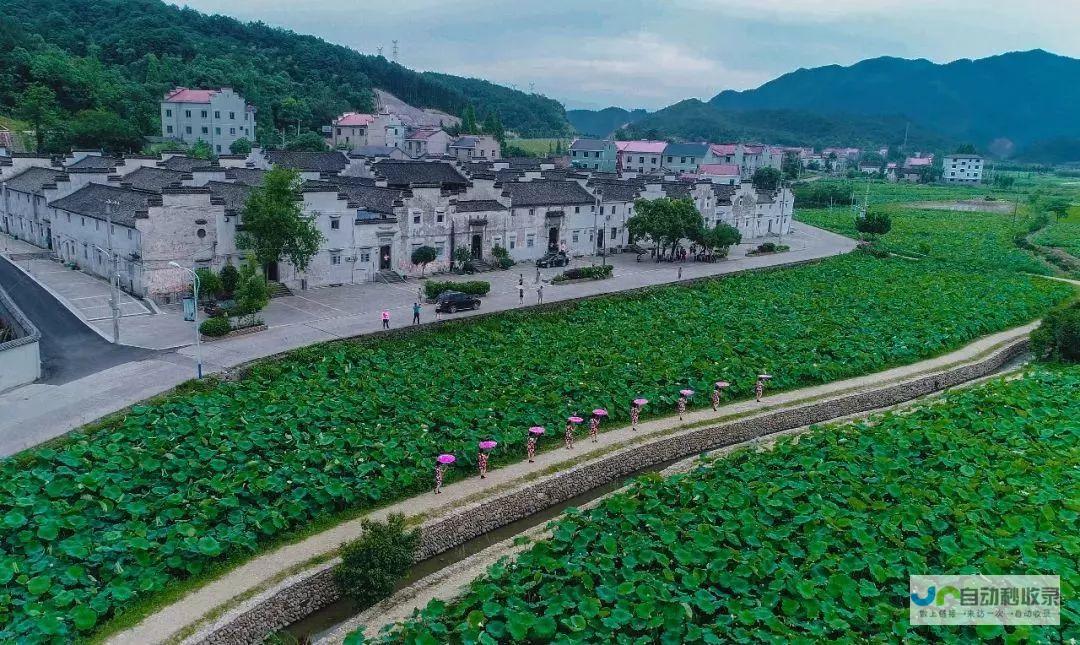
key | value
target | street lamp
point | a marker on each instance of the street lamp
(198, 344)
(114, 275)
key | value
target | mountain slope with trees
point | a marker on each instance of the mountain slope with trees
(106, 63)
(601, 123)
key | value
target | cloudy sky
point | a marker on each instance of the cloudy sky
(645, 53)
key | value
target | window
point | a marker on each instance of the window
(601, 210)
(577, 209)
(365, 255)
(203, 113)
(339, 133)
(83, 221)
(69, 217)
(670, 159)
(530, 240)
(439, 248)
(335, 223)
(205, 130)
(513, 240)
(440, 215)
(232, 115)
(232, 130)
(614, 232)
(654, 160)
(682, 159)
(641, 159)
(201, 233)
(335, 258)
(188, 129)
(129, 233)
(217, 130)
(218, 148)
(574, 236)
(187, 114)
(217, 114)
(416, 218)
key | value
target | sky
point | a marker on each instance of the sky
(649, 53)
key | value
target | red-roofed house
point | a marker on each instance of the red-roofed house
(218, 117)
(427, 142)
(720, 173)
(353, 131)
(640, 156)
(748, 157)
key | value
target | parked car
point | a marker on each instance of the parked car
(553, 259)
(452, 301)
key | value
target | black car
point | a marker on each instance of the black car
(553, 259)
(452, 301)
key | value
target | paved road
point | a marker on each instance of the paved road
(69, 349)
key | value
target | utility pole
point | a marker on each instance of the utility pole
(114, 275)
(195, 293)
(783, 203)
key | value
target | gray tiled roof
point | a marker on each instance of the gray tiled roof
(152, 179)
(592, 145)
(234, 195)
(618, 191)
(332, 161)
(246, 176)
(723, 193)
(402, 174)
(98, 162)
(372, 151)
(90, 201)
(479, 206)
(464, 142)
(184, 164)
(686, 149)
(33, 178)
(766, 196)
(372, 199)
(546, 193)
(677, 189)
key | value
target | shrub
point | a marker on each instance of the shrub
(505, 263)
(229, 277)
(432, 288)
(372, 564)
(766, 247)
(215, 327)
(1058, 337)
(873, 223)
(424, 255)
(499, 252)
(209, 283)
(579, 273)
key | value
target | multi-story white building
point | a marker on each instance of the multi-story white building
(354, 131)
(218, 117)
(962, 169)
(642, 157)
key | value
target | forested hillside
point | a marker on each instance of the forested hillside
(601, 123)
(693, 120)
(108, 62)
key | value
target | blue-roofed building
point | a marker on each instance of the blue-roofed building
(684, 157)
(598, 155)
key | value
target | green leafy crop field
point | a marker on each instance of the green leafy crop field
(105, 519)
(967, 238)
(810, 541)
(1063, 233)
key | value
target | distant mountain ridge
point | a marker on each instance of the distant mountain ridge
(601, 123)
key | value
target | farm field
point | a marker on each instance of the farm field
(538, 147)
(1063, 233)
(884, 192)
(109, 518)
(967, 238)
(809, 541)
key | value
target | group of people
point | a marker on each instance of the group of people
(598, 414)
(521, 289)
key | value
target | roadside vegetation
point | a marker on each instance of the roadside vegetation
(809, 540)
(103, 519)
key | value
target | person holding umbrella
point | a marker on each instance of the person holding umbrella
(720, 385)
(441, 463)
(681, 403)
(570, 423)
(594, 422)
(482, 458)
(635, 412)
(759, 387)
(534, 437)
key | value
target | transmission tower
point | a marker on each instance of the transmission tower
(532, 88)
(395, 51)
(379, 50)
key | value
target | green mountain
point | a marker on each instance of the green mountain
(1017, 98)
(693, 120)
(116, 58)
(601, 123)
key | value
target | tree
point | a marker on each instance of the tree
(424, 255)
(791, 165)
(965, 149)
(462, 256)
(230, 278)
(274, 225)
(468, 120)
(664, 221)
(494, 127)
(873, 224)
(101, 129)
(1058, 337)
(209, 283)
(292, 112)
(721, 237)
(307, 142)
(38, 106)
(241, 146)
(201, 150)
(252, 292)
(372, 564)
(1058, 206)
(766, 178)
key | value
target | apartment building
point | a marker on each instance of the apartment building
(962, 169)
(216, 116)
(642, 157)
(599, 155)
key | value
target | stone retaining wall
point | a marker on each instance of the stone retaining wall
(300, 595)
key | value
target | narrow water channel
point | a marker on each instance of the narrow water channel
(324, 621)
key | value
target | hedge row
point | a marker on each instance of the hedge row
(432, 288)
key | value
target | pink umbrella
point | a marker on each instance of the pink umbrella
(575, 419)
(640, 402)
(488, 445)
(446, 459)
(764, 377)
(722, 384)
(536, 430)
(686, 392)
(600, 412)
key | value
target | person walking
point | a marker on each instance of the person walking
(482, 456)
(570, 423)
(521, 294)
(521, 279)
(419, 294)
(681, 403)
(534, 437)
(759, 387)
(416, 313)
(635, 412)
(386, 319)
(540, 294)
(537, 280)
(720, 385)
(680, 273)
(441, 463)
(594, 423)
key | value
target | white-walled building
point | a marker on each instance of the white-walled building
(216, 116)
(962, 169)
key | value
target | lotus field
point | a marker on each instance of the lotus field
(1062, 233)
(105, 519)
(974, 239)
(809, 541)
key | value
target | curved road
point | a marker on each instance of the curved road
(69, 348)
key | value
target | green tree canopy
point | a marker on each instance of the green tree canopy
(241, 146)
(201, 150)
(766, 178)
(873, 224)
(721, 237)
(38, 106)
(274, 224)
(307, 142)
(664, 221)
(424, 255)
